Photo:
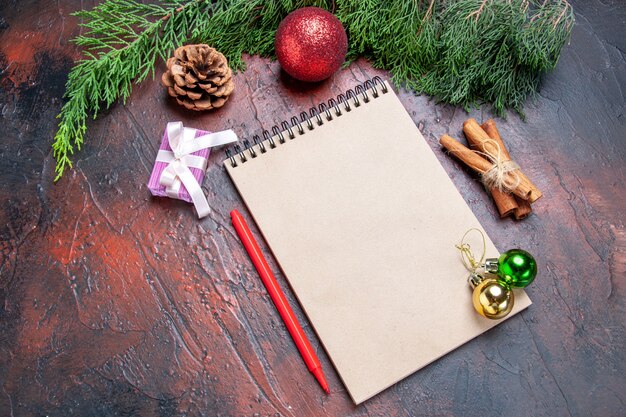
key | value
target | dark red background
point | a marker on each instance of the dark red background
(116, 303)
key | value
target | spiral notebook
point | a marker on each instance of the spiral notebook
(363, 221)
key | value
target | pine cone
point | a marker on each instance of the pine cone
(198, 77)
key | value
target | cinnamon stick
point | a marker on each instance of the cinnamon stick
(475, 133)
(523, 208)
(481, 165)
(505, 202)
(492, 131)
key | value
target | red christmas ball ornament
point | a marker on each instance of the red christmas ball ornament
(311, 44)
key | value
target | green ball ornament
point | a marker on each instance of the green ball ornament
(515, 267)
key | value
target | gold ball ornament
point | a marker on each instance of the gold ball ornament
(492, 299)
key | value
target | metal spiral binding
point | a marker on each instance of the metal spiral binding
(324, 112)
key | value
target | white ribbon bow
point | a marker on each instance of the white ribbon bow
(183, 143)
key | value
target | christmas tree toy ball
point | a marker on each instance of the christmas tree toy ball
(516, 267)
(492, 290)
(311, 44)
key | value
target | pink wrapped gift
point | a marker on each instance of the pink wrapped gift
(181, 164)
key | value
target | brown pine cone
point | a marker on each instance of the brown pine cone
(198, 77)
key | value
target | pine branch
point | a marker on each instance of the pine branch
(122, 41)
(463, 52)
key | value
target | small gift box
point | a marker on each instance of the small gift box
(181, 164)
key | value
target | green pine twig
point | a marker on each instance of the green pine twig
(462, 52)
(122, 41)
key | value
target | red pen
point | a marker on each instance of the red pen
(285, 311)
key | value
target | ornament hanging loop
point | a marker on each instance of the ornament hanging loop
(467, 256)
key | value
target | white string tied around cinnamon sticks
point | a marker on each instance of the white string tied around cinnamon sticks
(501, 175)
